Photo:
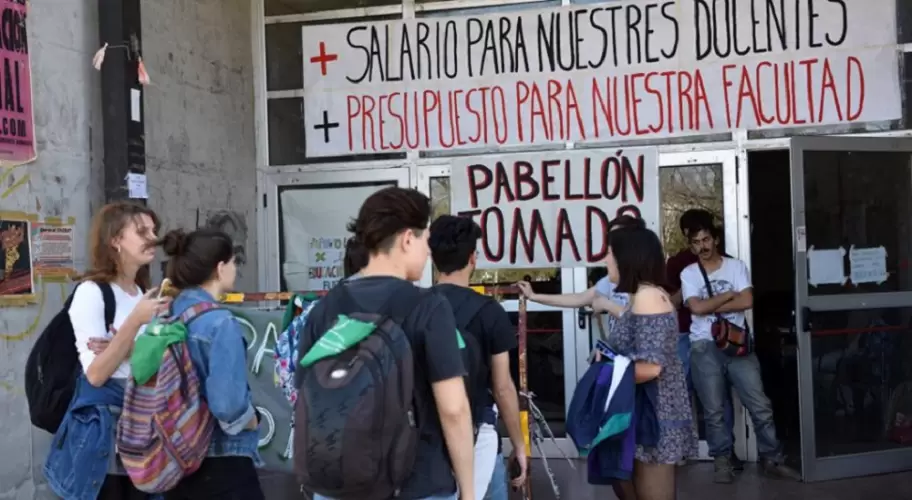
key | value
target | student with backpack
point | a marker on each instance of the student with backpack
(382, 410)
(484, 321)
(77, 371)
(201, 265)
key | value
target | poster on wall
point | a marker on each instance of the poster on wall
(17, 280)
(17, 126)
(624, 70)
(552, 208)
(325, 267)
(52, 250)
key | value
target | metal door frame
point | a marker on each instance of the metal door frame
(844, 466)
(745, 444)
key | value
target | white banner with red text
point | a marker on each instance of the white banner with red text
(596, 73)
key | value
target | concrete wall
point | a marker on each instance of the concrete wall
(64, 182)
(200, 148)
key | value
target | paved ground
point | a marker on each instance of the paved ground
(694, 483)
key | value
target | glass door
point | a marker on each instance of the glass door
(552, 342)
(308, 213)
(852, 223)
(702, 180)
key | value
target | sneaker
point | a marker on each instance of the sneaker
(778, 470)
(736, 463)
(723, 471)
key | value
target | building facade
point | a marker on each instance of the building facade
(233, 136)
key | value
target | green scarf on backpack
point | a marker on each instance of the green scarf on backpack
(343, 335)
(149, 348)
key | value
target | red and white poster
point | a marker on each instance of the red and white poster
(552, 209)
(622, 70)
(17, 126)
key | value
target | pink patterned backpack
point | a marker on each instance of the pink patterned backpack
(164, 431)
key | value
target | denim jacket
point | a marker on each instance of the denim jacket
(78, 461)
(219, 354)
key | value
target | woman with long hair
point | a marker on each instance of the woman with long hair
(647, 333)
(83, 463)
(201, 265)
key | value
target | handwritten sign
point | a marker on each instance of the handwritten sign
(622, 70)
(553, 209)
(325, 265)
(17, 126)
(868, 265)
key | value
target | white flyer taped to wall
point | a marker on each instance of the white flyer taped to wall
(826, 266)
(608, 73)
(552, 208)
(136, 186)
(868, 265)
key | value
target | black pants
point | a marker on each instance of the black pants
(120, 488)
(222, 478)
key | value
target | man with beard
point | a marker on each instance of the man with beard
(718, 288)
(677, 263)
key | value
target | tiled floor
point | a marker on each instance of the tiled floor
(694, 483)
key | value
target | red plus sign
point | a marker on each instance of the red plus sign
(323, 58)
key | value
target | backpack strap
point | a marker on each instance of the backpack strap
(466, 311)
(110, 303)
(195, 311)
(107, 294)
(396, 307)
(399, 310)
(709, 288)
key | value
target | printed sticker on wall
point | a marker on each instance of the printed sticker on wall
(52, 250)
(868, 265)
(17, 281)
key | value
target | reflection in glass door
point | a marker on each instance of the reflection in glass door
(852, 221)
(551, 332)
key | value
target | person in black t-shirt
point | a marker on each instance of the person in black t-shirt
(392, 227)
(453, 241)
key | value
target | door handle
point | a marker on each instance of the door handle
(581, 316)
(806, 324)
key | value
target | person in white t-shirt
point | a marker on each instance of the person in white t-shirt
(121, 245)
(731, 296)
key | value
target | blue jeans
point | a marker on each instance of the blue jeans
(684, 354)
(711, 371)
(497, 490)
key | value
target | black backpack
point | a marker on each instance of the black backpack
(477, 368)
(53, 365)
(357, 425)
